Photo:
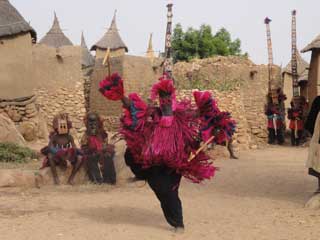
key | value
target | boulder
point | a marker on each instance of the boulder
(44, 176)
(28, 131)
(314, 202)
(16, 178)
(9, 132)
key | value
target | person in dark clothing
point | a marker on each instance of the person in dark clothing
(98, 153)
(310, 126)
(165, 184)
(163, 142)
(274, 110)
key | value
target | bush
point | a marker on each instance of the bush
(10, 152)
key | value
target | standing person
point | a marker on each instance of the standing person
(295, 115)
(162, 142)
(313, 126)
(274, 111)
(98, 154)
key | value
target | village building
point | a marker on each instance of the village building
(314, 74)
(302, 70)
(87, 60)
(150, 52)
(58, 61)
(16, 37)
(55, 37)
(112, 40)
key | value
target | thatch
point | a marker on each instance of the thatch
(87, 59)
(302, 66)
(12, 23)
(315, 44)
(111, 39)
(55, 37)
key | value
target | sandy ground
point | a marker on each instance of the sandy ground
(260, 196)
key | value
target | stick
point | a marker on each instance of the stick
(192, 156)
(106, 61)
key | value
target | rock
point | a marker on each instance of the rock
(28, 130)
(44, 176)
(32, 115)
(14, 115)
(254, 147)
(16, 178)
(9, 132)
(314, 202)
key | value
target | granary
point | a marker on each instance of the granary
(314, 74)
(150, 52)
(112, 40)
(16, 37)
(55, 37)
(87, 60)
(17, 83)
(58, 61)
(302, 69)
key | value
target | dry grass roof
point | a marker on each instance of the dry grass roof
(12, 23)
(87, 59)
(111, 39)
(302, 66)
(315, 44)
(55, 37)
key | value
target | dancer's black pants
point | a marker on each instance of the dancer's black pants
(165, 184)
(272, 136)
(296, 141)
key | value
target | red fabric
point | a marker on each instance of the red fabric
(279, 124)
(60, 158)
(292, 125)
(95, 143)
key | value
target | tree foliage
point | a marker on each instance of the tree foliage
(203, 43)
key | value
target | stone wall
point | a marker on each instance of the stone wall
(26, 116)
(16, 67)
(229, 75)
(231, 102)
(64, 99)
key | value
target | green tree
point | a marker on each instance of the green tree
(203, 44)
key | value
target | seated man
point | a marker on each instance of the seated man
(97, 152)
(61, 149)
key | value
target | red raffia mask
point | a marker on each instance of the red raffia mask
(163, 89)
(112, 87)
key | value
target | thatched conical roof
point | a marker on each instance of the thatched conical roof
(111, 39)
(315, 44)
(87, 58)
(55, 37)
(150, 52)
(302, 66)
(11, 21)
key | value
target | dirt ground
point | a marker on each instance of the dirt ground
(260, 196)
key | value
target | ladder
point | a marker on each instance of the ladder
(270, 53)
(294, 62)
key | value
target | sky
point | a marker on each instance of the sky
(136, 19)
